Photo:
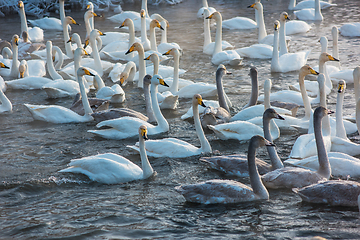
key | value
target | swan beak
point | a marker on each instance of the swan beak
(102, 34)
(3, 65)
(209, 17)
(331, 58)
(167, 53)
(95, 15)
(122, 25)
(287, 17)
(53, 58)
(330, 111)
(148, 58)
(17, 41)
(142, 13)
(251, 6)
(88, 6)
(144, 133)
(74, 22)
(162, 82)
(130, 50)
(160, 27)
(200, 102)
(86, 53)
(69, 40)
(276, 26)
(268, 143)
(20, 4)
(312, 71)
(280, 117)
(341, 88)
(122, 80)
(21, 74)
(86, 43)
(87, 72)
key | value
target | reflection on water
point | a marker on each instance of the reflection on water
(38, 202)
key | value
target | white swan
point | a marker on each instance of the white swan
(141, 55)
(59, 114)
(36, 34)
(110, 168)
(14, 62)
(209, 46)
(123, 71)
(5, 105)
(237, 164)
(261, 51)
(122, 128)
(115, 93)
(219, 56)
(68, 48)
(308, 4)
(229, 191)
(296, 26)
(2, 82)
(176, 148)
(290, 177)
(350, 29)
(26, 47)
(240, 23)
(332, 192)
(205, 6)
(286, 62)
(313, 14)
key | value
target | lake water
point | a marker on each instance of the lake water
(37, 202)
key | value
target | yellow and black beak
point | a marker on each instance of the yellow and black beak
(2, 65)
(287, 17)
(20, 4)
(331, 58)
(313, 71)
(17, 41)
(167, 53)
(144, 133)
(122, 25)
(102, 34)
(162, 82)
(95, 15)
(130, 50)
(210, 17)
(87, 72)
(251, 6)
(341, 88)
(122, 80)
(276, 26)
(86, 43)
(74, 22)
(22, 74)
(88, 6)
(69, 40)
(200, 102)
(148, 58)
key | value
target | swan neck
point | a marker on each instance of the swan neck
(340, 128)
(175, 84)
(148, 104)
(357, 115)
(24, 26)
(267, 98)
(324, 165)
(218, 35)
(144, 6)
(255, 181)
(61, 57)
(318, 15)
(131, 33)
(205, 3)
(132, 72)
(254, 90)
(164, 32)
(153, 39)
(15, 62)
(205, 145)
(142, 68)
(160, 119)
(304, 96)
(207, 34)
(87, 24)
(145, 164)
(274, 157)
(84, 97)
(292, 4)
(326, 120)
(143, 30)
(62, 11)
(156, 66)
(99, 81)
(96, 56)
(5, 102)
(220, 91)
(275, 63)
(282, 38)
(50, 65)
(68, 49)
(261, 24)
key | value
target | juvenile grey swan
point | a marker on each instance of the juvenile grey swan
(237, 164)
(229, 191)
(292, 177)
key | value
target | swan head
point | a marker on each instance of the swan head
(15, 40)
(324, 57)
(215, 15)
(147, 79)
(143, 132)
(89, 14)
(90, 6)
(142, 13)
(276, 25)
(271, 113)
(157, 79)
(153, 58)
(155, 23)
(20, 4)
(259, 141)
(197, 100)
(341, 86)
(2, 65)
(70, 20)
(174, 52)
(321, 112)
(22, 68)
(135, 47)
(284, 16)
(222, 68)
(306, 70)
(256, 6)
(127, 22)
(83, 71)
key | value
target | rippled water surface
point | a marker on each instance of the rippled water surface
(38, 202)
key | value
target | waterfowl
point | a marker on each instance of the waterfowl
(5, 105)
(229, 191)
(115, 93)
(14, 62)
(110, 168)
(350, 29)
(35, 34)
(219, 56)
(308, 4)
(123, 71)
(237, 164)
(205, 6)
(66, 22)
(313, 14)
(290, 177)
(59, 114)
(26, 47)
(176, 148)
(240, 23)
(121, 128)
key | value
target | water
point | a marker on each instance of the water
(38, 202)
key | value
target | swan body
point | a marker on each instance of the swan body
(237, 164)
(59, 114)
(296, 26)
(5, 105)
(36, 34)
(47, 23)
(121, 71)
(110, 168)
(121, 128)
(239, 23)
(290, 177)
(28, 83)
(308, 4)
(229, 191)
(260, 51)
(350, 29)
(114, 94)
(229, 57)
(26, 47)
(312, 14)
(176, 148)
(287, 62)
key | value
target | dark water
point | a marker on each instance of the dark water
(37, 202)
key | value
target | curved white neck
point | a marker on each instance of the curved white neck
(132, 71)
(99, 81)
(175, 84)
(60, 56)
(160, 119)
(205, 3)
(275, 63)
(218, 35)
(143, 30)
(68, 49)
(96, 56)
(5, 103)
(220, 91)
(340, 128)
(131, 33)
(144, 6)
(282, 38)
(357, 116)
(50, 65)
(15, 62)
(148, 103)
(87, 20)
(322, 69)
(164, 32)
(84, 98)
(267, 89)
(324, 165)
(207, 34)
(142, 67)
(305, 97)
(153, 45)
(62, 10)
(318, 15)
(145, 164)
(205, 145)
(255, 181)
(335, 36)
(261, 24)
(24, 26)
